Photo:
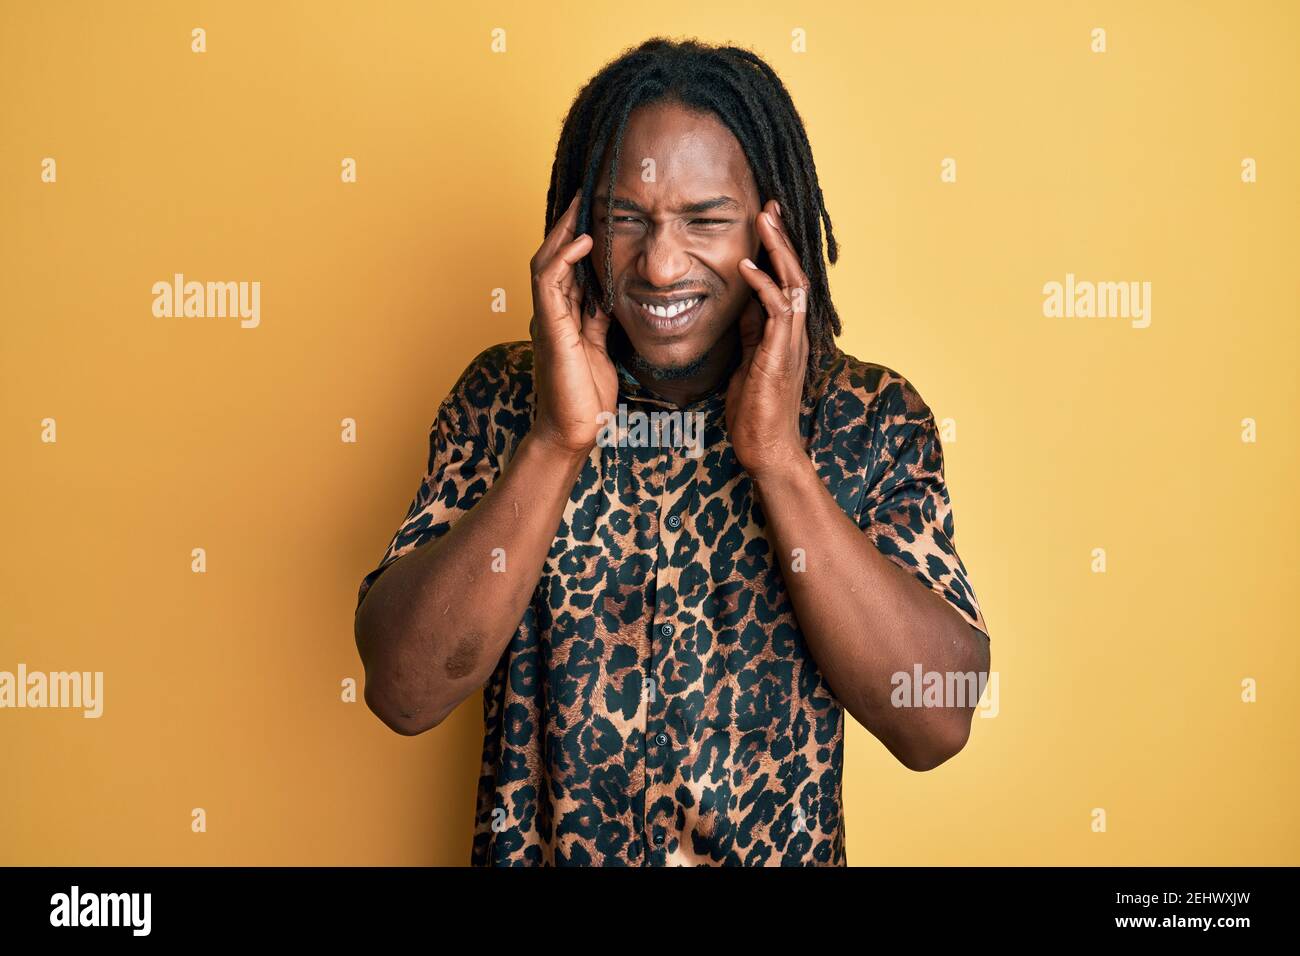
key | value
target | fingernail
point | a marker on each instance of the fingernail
(748, 264)
(777, 206)
(770, 221)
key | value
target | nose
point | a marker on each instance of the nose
(663, 259)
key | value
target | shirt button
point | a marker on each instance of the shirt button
(666, 630)
(674, 522)
(661, 739)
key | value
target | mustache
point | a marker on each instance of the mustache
(686, 285)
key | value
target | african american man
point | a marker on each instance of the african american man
(667, 634)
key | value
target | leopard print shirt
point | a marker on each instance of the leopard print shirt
(658, 705)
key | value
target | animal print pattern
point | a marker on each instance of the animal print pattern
(657, 705)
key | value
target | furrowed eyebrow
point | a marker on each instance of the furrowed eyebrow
(725, 203)
(717, 202)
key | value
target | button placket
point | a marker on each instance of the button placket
(678, 494)
(661, 634)
(658, 819)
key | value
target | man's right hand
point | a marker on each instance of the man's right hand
(573, 375)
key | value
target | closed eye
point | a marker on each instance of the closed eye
(620, 220)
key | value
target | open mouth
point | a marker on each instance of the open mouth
(669, 315)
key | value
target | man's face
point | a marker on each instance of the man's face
(680, 226)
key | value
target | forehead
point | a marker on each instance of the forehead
(694, 153)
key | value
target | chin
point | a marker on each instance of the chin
(665, 355)
(672, 358)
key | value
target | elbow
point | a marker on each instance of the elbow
(385, 698)
(938, 748)
(392, 704)
(407, 721)
(946, 737)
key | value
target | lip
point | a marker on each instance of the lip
(662, 325)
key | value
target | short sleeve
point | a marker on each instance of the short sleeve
(461, 467)
(906, 510)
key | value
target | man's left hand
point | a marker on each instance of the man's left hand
(766, 390)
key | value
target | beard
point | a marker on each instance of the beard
(621, 348)
(666, 373)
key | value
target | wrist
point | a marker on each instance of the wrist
(788, 474)
(552, 453)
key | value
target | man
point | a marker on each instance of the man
(667, 633)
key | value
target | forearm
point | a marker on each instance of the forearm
(866, 619)
(433, 626)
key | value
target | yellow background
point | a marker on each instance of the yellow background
(222, 690)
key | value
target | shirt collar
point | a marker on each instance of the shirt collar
(630, 387)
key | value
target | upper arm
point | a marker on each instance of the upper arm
(462, 464)
(906, 509)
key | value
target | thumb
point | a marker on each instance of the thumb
(751, 329)
(595, 327)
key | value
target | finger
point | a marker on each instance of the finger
(801, 349)
(780, 314)
(750, 328)
(573, 251)
(559, 271)
(554, 286)
(595, 328)
(785, 261)
(800, 290)
(773, 209)
(560, 234)
(799, 325)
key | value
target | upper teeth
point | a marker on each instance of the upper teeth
(668, 311)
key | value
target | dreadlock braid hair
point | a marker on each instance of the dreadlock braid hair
(750, 99)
